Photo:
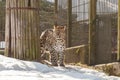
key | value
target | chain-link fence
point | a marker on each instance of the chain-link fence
(107, 11)
(79, 20)
(79, 25)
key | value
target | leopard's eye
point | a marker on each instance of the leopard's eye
(62, 27)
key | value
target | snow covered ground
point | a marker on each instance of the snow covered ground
(14, 69)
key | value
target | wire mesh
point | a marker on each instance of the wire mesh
(107, 11)
(62, 12)
(46, 14)
(106, 26)
(80, 16)
(107, 6)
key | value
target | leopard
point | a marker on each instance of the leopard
(52, 41)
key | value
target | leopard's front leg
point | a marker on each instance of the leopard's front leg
(54, 58)
(61, 59)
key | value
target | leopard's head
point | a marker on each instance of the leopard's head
(60, 30)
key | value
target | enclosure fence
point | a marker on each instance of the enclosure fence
(93, 23)
(89, 22)
(106, 29)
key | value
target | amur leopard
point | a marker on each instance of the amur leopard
(53, 40)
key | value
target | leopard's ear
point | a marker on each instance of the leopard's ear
(55, 26)
(64, 27)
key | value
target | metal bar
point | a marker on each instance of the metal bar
(85, 20)
(22, 8)
(92, 32)
(80, 4)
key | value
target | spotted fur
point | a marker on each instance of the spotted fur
(53, 40)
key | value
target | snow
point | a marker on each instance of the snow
(50, 0)
(14, 69)
(2, 44)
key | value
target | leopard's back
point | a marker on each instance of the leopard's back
(47, 39)
(50, 39)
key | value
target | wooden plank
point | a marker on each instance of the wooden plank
(69, 23)
(8, 30)
(92, 29)
(118, 39)
(23, 30)
(56, 11)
